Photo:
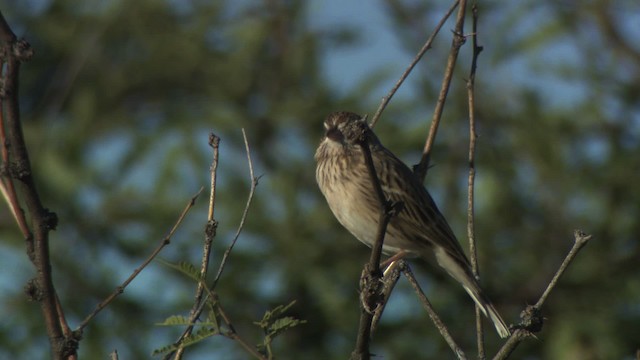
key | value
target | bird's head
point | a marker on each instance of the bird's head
(347, 129)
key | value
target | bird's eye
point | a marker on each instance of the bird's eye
(334, 134)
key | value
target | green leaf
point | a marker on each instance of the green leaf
(175, 320)
(184, 268)
(195, 338)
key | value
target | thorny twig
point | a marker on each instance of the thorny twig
(473, 254)
(18, 179)
(444, 331)
(531, 316)
(120, 289)
(211, 294)
(418, 57)
(254, 184)
(458, 40)
(210, 233)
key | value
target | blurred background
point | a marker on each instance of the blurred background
(120, 97)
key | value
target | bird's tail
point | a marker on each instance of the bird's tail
(488, 309)
(462, 273)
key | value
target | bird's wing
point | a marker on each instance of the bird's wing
(422, 218)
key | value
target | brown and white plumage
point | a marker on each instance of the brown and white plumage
(419, 229)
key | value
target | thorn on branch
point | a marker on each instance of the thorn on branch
(531, 319)
(459, 38)
(19, 171)
(22, 50)
(32, 290)
(256, 179)
(49, 220)
(211, 227)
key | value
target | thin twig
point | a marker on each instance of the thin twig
(254, 184)
(457, 42)
(581, 240)
(210, 233)
(444, 331)
(371, 275)
(472, 175)
(214, 142)
(532, 319)
(427, 45)
(210, 293)
(120, 289)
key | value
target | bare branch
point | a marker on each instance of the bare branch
(210, 293)
(473, 254)
(458, 41)
(214, 142)
(252, 190)
(581, 240)
(17, 166)
(444, 331)
(423, 50)
(120, 289)
(531, 316)
(210, 233)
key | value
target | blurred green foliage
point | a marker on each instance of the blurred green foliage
(118, 102)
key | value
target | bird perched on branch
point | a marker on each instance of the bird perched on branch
(418, 229)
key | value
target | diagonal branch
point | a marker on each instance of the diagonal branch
(531, 317)
(120, 289)
(252, 190)
(427, 45)
(444, 331)
(458, 40)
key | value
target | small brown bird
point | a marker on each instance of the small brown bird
(418, 229)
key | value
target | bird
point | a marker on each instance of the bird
(418, 229)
